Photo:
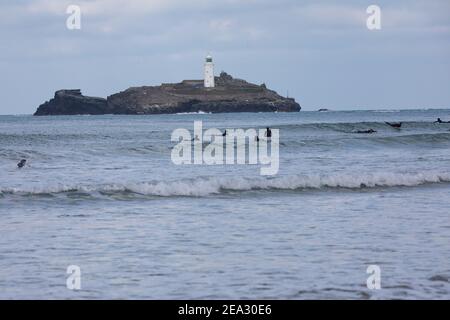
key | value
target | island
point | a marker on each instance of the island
(226, 94)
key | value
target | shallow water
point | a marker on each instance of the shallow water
(102, 193)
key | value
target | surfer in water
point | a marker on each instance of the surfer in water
(22, 163)
(268, 133)
(224, 134)
(396, 125)
(366, 131)
(440, 121)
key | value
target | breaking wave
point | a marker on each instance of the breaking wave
(199, 112)
(206, 186)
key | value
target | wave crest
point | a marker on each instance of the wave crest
(206, 186)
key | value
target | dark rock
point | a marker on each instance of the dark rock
(72, 102)
(229, 95)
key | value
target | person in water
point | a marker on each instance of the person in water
(268, 133)
(224, 134)
(21, 164)
(440, 121)
(366, 131)
(397, 125)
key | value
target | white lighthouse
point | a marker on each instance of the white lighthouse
(209, 72)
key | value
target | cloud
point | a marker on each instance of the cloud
(47, 7)
(221, 24)
(331, 15)
(112, 7)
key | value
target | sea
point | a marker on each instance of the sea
(345, 210)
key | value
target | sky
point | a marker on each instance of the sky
(319, 52)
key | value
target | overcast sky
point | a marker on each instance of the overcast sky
(321, 52)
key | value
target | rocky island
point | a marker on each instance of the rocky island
(229, 95)
(212, 95)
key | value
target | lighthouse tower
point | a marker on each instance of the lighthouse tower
(209, 72)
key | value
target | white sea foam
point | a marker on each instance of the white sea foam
(215, 185)
(198, 112)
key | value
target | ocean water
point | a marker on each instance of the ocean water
(102, 193)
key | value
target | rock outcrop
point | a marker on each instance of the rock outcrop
(72, 102)
(229, 95)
